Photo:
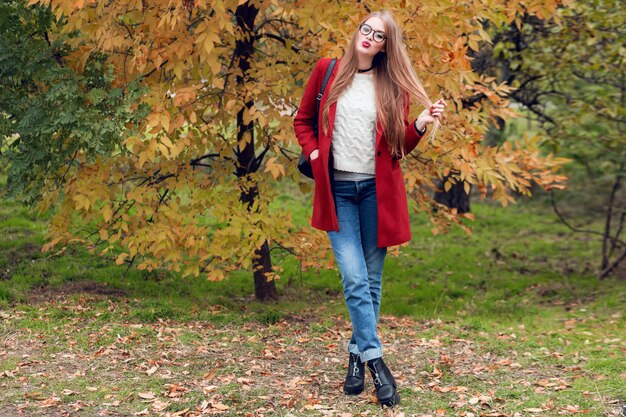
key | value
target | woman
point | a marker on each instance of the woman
(360, 198)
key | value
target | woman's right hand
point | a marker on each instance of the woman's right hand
(314, 154)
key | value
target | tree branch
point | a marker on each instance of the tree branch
(575, 229)
(606, 271)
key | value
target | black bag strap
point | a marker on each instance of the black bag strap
(326, 78)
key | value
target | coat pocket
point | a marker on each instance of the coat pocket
(315, 166)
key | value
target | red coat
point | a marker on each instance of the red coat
(393, 211)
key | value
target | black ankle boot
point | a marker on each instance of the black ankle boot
(384, 382)
(355, 380)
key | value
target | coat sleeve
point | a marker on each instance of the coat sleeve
(411, 137)
(307, 112)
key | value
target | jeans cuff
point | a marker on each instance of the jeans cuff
(353, 348)
(370, 354)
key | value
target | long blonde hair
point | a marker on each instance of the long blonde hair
(395, 82)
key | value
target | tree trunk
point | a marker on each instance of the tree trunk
(456, 197)
(247, 161)
(608, 244)
(264, 289)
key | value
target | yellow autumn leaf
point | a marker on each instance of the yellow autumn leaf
(107, 212)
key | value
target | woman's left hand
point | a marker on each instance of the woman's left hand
(431, 114)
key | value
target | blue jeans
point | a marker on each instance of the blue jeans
(360, 262)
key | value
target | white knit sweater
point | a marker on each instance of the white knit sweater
(354, 132)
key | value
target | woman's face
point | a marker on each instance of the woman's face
(367, 44)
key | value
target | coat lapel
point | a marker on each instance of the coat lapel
(331, 119)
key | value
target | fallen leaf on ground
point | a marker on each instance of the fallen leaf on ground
(146, 395)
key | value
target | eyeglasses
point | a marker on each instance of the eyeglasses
(366, 29)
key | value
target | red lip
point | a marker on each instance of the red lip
(366, 44)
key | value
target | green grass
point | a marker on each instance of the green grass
(520, 288)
